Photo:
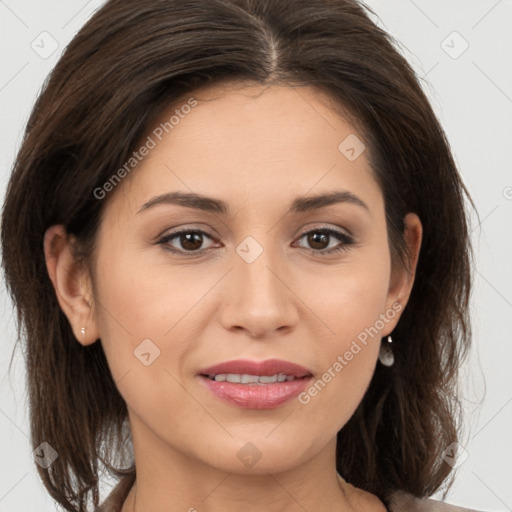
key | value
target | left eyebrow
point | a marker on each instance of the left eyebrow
(307, 203)
(213, 205)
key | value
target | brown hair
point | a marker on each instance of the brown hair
(131, 59)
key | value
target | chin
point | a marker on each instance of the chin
(260, 454)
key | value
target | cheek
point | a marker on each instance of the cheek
(350, 298)
(142, 317)
(143, 298)
(352, 311)
(135, 306)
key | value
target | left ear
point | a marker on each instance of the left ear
(402, 279)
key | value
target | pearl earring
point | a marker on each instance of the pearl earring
(82, 330)
(386, 354)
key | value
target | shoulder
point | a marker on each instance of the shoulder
(400, 501)
(405, 502)
(359, 498)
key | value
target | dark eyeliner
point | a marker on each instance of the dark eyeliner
(346, 241)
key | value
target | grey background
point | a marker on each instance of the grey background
(471, 91)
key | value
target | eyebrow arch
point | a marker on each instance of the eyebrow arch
(212, 205)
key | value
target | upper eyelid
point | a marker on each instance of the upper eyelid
(178, 231)
(186, 229)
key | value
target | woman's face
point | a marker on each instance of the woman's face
(244, 282)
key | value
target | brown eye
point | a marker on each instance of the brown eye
(186, 240)
(191, 241)
(319, 240)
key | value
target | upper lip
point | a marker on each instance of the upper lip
(268, 367)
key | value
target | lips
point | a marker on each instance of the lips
(266, 368)
(256, 385)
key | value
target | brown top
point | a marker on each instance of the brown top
(400, 502)
(405, 502)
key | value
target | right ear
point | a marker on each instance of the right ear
(72, 284)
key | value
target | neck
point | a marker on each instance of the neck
(167, 476)
(346, 491)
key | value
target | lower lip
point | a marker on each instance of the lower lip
(257, 396)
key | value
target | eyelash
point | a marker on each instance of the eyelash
(346, 241)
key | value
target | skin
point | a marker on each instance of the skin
(257, 149)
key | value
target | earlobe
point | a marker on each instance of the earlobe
(71, 284)
(402, 279)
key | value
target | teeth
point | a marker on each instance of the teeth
(248, 379)
(265, 379)
(251, 379)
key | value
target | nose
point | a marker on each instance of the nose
(259, 297)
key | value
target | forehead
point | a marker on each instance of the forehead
(244, 142)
